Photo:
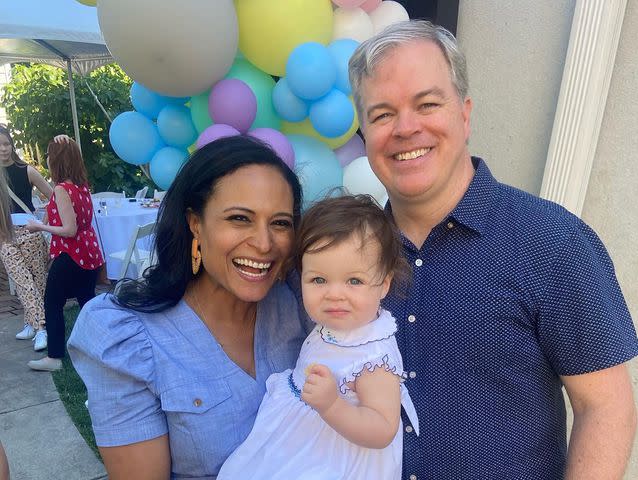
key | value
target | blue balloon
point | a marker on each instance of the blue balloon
(310, 70)
(317, 167)
(332, 115)
(288, 105)
(134, 138)
(341, 51)
(176, 127)
(150, 103)
(165, 165)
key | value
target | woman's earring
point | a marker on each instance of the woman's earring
(196, 256)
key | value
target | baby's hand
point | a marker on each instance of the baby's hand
(320, 389)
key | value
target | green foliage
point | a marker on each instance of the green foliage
(38, 107)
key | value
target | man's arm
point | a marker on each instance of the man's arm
(604, 424)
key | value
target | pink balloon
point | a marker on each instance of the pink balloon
(348, 3)
(233, 103)
(214, 132)
(352, 149)
(278, 142)
(369, 5)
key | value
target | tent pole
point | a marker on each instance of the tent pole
(74, 111)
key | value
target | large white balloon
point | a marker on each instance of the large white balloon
(173, 47)
(387, 13)
(352, 23)
(358, 177)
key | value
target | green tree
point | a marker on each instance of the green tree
(38, 108)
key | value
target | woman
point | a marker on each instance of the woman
(74, 247)
(24, 254)
(175, 366)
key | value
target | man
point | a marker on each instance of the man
(512, 297)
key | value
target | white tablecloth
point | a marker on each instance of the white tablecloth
(114, 226)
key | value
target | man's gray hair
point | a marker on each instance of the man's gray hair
(370, 53)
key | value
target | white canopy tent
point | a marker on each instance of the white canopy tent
(63, 33)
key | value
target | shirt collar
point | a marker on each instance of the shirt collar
(384, 326)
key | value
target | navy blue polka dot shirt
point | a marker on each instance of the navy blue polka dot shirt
(508, 293)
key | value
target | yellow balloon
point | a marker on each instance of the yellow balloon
(90, 3)
(305, 128)
(270, 29)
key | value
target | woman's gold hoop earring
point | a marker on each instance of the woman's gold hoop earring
(196, 256)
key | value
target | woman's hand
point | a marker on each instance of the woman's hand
(33, 226)
(62, 138)
(320, 389)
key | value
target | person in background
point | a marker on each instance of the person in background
(176, 364)
(23, 253)
(512, 297)
(74, 247)
(4, 464)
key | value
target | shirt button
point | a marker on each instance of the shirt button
(412, 374)
(450, 224)
(409, 429)
(418, 262)
(197, 402)
(412, 477)
(411, 318)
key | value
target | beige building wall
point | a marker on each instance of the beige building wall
(516, 52)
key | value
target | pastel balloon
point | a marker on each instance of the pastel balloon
(352, 23)
(173, 47)
(271, 29)
(316, 166)
(347, 3)
(305, 128)
(341, 51)
(358, 177)
(387, 13)
(199, 111)
(369, 5)
(214, 132)
(134, 138)
(233, 103)
(176, 127)
(332, 114)
(278, 142)
(88, 3)
(310, 71)
(288, 105)
(165, 165)
(353, 148)
(149, 102)
(262, 86)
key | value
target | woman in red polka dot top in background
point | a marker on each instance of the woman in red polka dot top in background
(74, 246)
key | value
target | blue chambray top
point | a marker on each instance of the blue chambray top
(508, 293)
(148, 374)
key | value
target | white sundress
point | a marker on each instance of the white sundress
(291, 441)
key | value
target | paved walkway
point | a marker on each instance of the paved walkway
(39, 438)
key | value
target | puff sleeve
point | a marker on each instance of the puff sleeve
(110, 350)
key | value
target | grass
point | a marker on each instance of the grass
(72, 390)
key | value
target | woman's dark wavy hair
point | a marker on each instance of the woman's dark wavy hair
(164, 284)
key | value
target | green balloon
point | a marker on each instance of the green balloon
(199, 111)
(261, 84)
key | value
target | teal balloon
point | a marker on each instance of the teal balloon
(317, 167)
(176, 127)
(199, 111)
(165, 164)
(134, 138)
(262, 85)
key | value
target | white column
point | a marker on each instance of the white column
(581, 104)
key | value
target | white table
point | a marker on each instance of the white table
(114, 226)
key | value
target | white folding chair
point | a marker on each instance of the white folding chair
(141, 193)
(137, 256)
(108, 195)
(159, 195)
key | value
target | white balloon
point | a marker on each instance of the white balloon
(351, 23)
(387, 13)
(172, 47)
(358, 177)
